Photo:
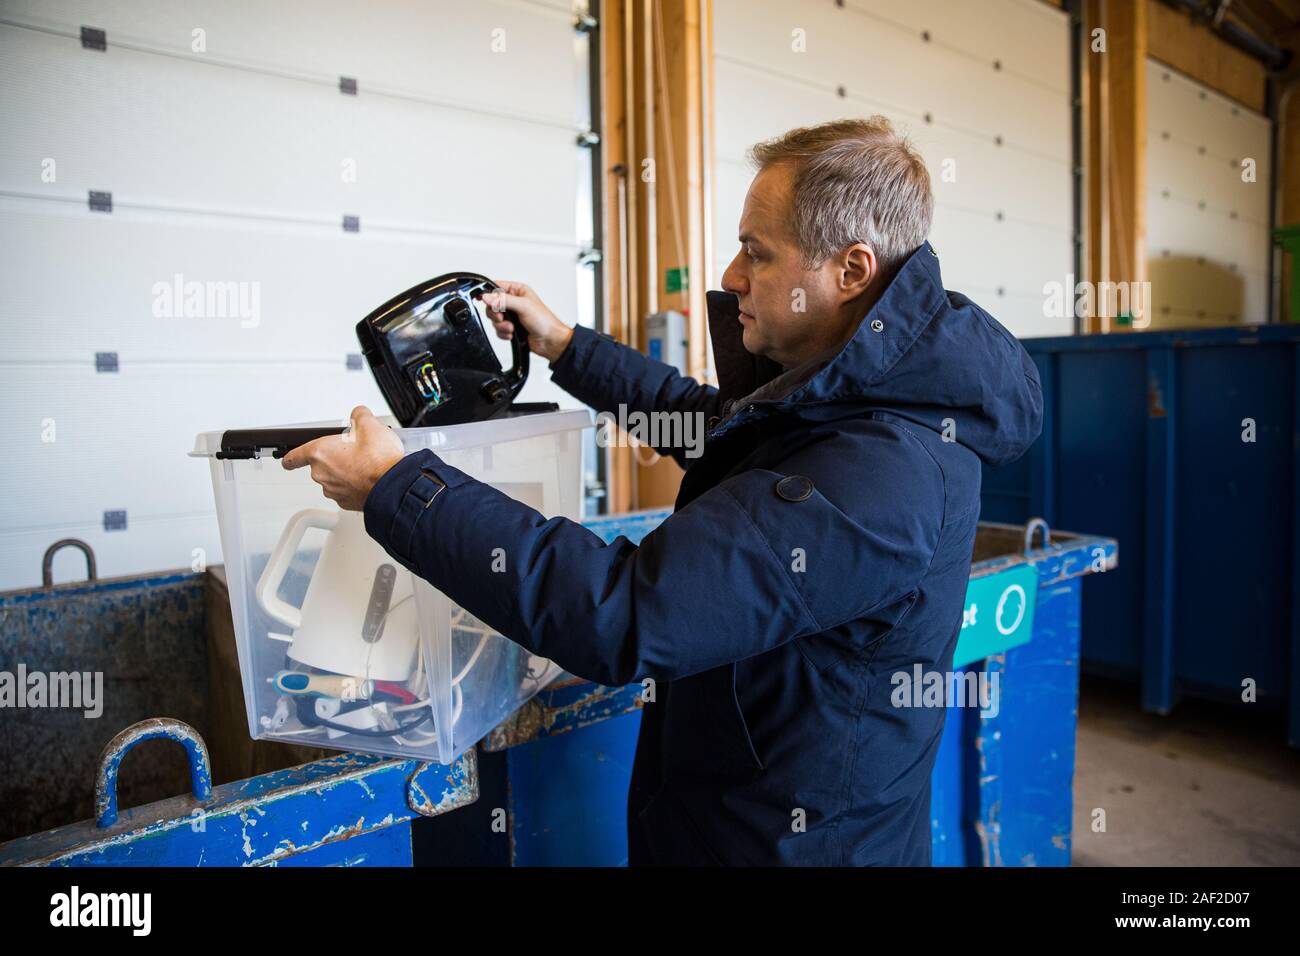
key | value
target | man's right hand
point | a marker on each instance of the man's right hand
(547, 335)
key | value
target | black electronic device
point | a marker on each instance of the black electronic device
(432, 358)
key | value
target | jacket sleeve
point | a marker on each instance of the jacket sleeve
(605, 374)
(738, 571)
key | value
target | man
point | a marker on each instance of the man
(820, 544)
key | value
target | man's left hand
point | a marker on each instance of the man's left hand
(347, 466)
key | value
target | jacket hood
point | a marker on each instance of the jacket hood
(927, 355)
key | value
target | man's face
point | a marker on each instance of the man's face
(790, 314)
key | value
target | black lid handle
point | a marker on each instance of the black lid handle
(250, 442)
(517, 374)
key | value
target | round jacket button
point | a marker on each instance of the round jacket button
(794, 488)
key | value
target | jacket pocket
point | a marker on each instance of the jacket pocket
(706, 734)
(742, 725)
(853, 641)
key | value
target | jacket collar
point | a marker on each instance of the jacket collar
(739, 371)
(885, 333)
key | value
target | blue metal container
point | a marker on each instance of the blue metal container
(1002, 788)
(348, 810)
(134, 648)
(1002, 784)
(1184, 446)
(561, 765)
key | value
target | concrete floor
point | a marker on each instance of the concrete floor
(1208, 785)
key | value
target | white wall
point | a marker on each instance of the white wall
(1200, 208)
(990, 69)
(228, 165)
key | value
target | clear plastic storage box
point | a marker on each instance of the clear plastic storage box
(339, 645)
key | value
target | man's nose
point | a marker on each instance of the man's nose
(733, 279)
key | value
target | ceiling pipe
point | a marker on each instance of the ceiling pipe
(1274, 58)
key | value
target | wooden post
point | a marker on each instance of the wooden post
(1289, 183)
(1116, 151)
(656, 57)
(620, 198)
(1094, 151)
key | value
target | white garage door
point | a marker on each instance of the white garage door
(1208, 243)
(308, 159)
(983, 90)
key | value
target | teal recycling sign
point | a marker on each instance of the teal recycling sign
(999, 614)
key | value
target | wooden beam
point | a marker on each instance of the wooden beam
(1288, 184)
(677, 70)
(657, 54)
(1094, 151)
(1289, 155)
(680, 163)
(1115, 155)
(1126, 144)
(620, 196)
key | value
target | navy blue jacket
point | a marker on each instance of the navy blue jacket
(771, 614)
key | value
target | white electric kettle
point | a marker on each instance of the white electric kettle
(358, 617)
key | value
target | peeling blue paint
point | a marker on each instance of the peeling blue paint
(110, 762)
(1003, 786)
(246, 823)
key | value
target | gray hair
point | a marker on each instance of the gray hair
(855, 180)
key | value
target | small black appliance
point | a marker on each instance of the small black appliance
(432, 358)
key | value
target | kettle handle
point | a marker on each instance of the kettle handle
(277, 566)
(517, 374)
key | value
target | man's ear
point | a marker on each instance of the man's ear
(858, 270)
